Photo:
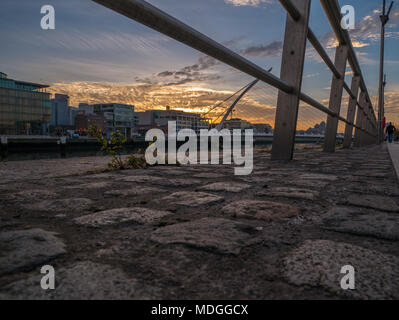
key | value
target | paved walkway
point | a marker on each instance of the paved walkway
(21, 171)
(393, 149)
(199, 232)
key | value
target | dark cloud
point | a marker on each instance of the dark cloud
(203, 63)
(206, 62)
(273, 49)
(165, 74)
(200, 77)
(195, 72)
(184, 75)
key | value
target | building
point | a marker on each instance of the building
(318, 129)
(237, 123)
(120, 117)
(24, 107)
(88, 109)
(146, 121)
(160, 118)
(62, 115)
(84, 120)
(262, 128)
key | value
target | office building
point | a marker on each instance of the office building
(83, 122)
(88, 109)
(120, 117)
(159, 119)
(262, 128)
(62, 115)
(24, 107)
(237, 123)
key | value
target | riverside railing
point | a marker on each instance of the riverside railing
(297, 32)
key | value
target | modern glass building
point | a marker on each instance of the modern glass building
(62, 115)
(24, 107)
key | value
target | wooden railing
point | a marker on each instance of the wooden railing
(297, 32)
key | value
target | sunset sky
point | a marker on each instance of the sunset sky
(96, 55)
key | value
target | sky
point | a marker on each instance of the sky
(96, 55)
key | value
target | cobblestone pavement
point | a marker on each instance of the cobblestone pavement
(199, 232)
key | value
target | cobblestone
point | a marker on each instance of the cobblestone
(26, 249)
(199, 232)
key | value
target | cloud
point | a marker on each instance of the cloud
(191, 73)
(367, 30)
(359, 44)
(186, 87)
(199, 71)
(272, 49)
(391, 104)
(154, 96)
(165, 74)
(204, 62)
(311, 75)
(366, 33)
(252, 3)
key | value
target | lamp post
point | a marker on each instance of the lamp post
(384, 17)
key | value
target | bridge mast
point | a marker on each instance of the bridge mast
(230, 109)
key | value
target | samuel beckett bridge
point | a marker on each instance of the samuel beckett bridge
(360, 116)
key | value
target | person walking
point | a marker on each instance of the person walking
(389, 131)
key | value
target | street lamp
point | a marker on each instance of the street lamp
(384, 17)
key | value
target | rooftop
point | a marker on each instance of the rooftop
(5, 82)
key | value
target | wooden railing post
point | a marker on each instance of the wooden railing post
(291, 72)
(351, 112)
(369, 125)
(366, 123)
(367, 136)
(337, 86)
(375, 126)
(359, 120)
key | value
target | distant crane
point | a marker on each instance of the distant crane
(230, 109)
